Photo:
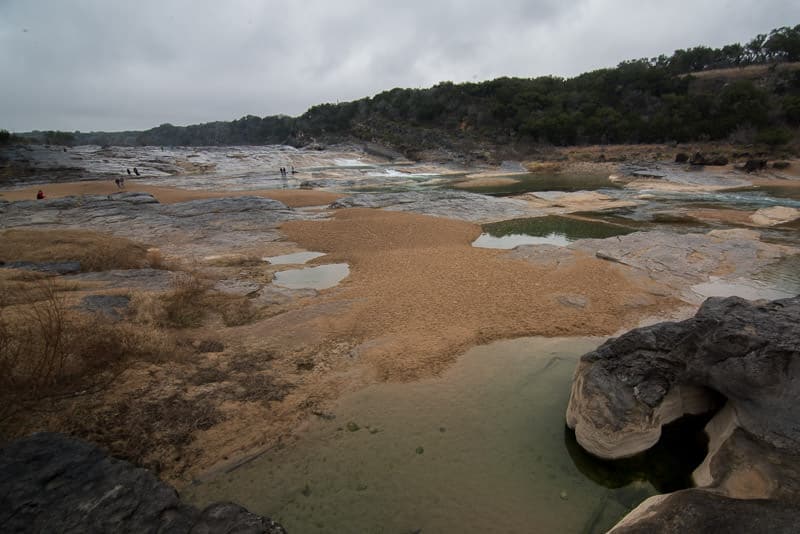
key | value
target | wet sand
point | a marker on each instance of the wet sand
(294, 198)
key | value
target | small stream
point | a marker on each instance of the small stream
(483, 448)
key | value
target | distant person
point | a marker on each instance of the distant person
(40, 195)
(129, 171)
(136, 171)
(293, 171)
(116, 181)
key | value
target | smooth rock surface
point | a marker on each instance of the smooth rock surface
(683, 260)
(53, 483)
(199, 227)
(453, 204)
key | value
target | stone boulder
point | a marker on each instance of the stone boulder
(775, 215)
(739, 357)
(461, 205)
(695, 510)
(53, 483)
(749, 353)
(701, 159)
(754, 165)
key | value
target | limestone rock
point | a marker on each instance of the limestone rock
(453, 204)
(53, 483)
(210, 224)
(744, 356)
(695, 510)
(683, 260)
(775, 215)
(747, 352)
(49, 267)
(754, 165)
(111, 306)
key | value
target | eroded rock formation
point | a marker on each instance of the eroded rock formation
(740, 357)
(53, 483)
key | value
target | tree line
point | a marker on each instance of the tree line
(659, 99)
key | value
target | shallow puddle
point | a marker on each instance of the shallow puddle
(295, 258)
(526, 183)
(483, 448)
(550, 230)
(779, 280)
(321, 277)
(514, 240)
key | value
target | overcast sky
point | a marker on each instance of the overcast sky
(133, 64)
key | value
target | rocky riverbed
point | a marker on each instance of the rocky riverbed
(261, 358)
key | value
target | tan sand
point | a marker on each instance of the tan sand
(294, 198)
(419, 293)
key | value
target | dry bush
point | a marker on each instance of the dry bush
(49, 351)
(235, 310)
(188, 304)
(184, 306)
(19, 287)
(235, 260)
(155, 259)
(147, 429)
(95, 251)
(263, 388)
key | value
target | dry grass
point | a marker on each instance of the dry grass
(48, 350)
(95, 251)
(190, 302)
(184, 306)
(146, 427)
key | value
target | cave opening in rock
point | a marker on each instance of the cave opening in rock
(667, 466)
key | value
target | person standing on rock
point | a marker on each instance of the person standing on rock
(136, 171)
(40, 195)
(129, 171)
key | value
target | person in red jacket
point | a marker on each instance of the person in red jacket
(40, 195)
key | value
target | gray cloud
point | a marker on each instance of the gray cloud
(112, 65)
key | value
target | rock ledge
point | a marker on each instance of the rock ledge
(54, 483)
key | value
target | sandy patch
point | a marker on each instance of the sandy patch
(419, 293)
(294, 198)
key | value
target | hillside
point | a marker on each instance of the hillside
(743, 93)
